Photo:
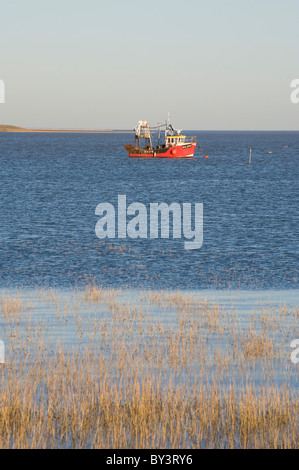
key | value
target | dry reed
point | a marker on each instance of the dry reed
(186, 376)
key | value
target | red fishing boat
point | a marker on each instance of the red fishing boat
(175, 144)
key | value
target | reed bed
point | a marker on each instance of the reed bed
(108, 368)
(11, 306)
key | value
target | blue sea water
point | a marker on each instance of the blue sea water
(52, 183)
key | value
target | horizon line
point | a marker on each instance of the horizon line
(13, 128)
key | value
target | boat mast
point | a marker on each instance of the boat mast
(167, 125)
(159, 132)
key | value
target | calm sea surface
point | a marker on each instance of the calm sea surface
(52, 183)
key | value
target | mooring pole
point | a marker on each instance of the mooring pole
(250, 156)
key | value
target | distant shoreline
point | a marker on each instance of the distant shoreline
(9, 128)
(6, 128)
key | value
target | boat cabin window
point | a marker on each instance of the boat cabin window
(175, 140)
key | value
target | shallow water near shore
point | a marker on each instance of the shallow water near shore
(119, 368)
(98, 318)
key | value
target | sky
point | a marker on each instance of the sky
(93, 64)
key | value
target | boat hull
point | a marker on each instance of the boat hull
(179, 151)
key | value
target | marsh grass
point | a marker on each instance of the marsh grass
(11, 306)
(160, 370)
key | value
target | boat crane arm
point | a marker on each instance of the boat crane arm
(143, 129)
(137, 129)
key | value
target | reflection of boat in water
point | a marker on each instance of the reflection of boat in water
(176, 145)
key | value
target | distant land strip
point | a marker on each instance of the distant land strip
(8, 128)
